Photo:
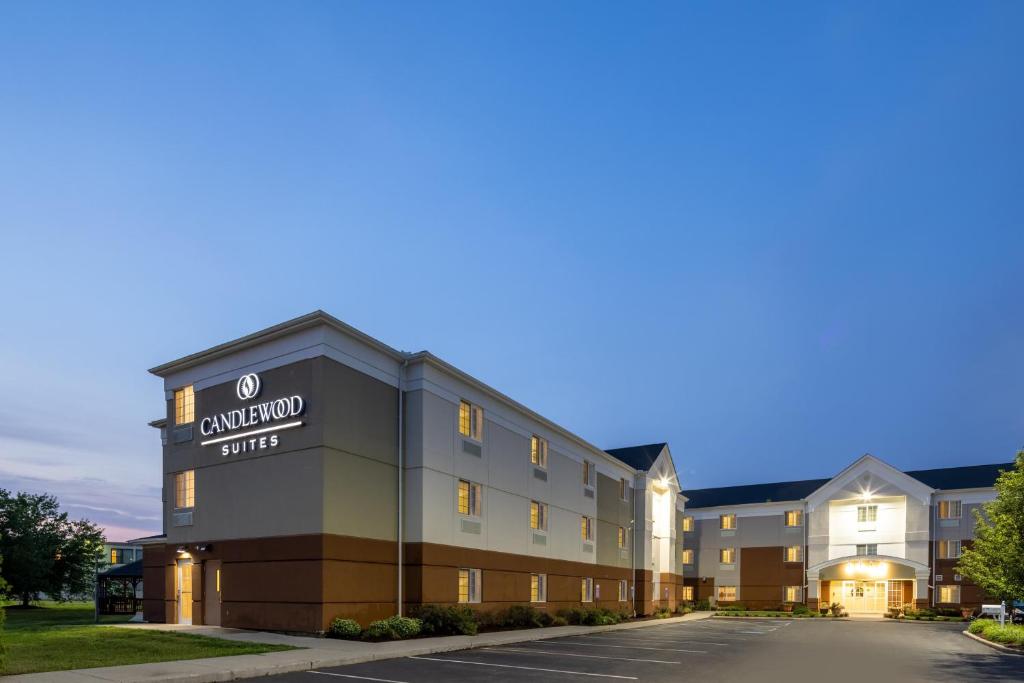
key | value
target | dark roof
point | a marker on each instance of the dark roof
(129, 569)
(638, 457)
(969, 477)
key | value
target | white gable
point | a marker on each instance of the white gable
(869, 475)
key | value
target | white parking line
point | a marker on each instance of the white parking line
(361, 678)
(525, 668)
(672, 641)
(573, 654)
(625, 647)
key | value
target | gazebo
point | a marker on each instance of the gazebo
(119, 589)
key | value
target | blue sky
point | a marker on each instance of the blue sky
(775, 235)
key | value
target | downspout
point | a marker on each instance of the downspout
(401, 487)
(807, 584)
(632, 555)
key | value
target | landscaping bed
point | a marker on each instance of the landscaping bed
(989, 629)
(787, 611)
(56, 637)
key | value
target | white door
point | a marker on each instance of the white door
(184, 592)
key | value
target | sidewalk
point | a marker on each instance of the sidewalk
(319, 652)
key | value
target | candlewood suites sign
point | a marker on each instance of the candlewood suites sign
(252, 427)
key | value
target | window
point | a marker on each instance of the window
(539, 451)
(794, 553)
(727, 521)
(687, 594)
(185, 489)
(949, 550)
(623, 590)
(622, 537)
(471, 420)
(794, 517)
(687, 555)
(113, 555)
(949, 594)
(538, 587)
(727, 555)
(587, 528)
(469, 498)
(184, 405)
(623, 489)
(538, 516)
(949, 509)
(687, 523)
(586, 590)
(589, 473)
(791, 594)
(726, 593)
(867, 515)
(469, 585)
(867, 549)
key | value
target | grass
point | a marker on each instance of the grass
(55, 637)
(989, 629)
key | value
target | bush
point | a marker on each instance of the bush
(559, 621)
(989, 629)
(800, 609)
(591, 617)
(440, 620)
(702, 605)
(733, 606)
(684, 608)
(393, 628)
(344, 628)
(836, 610)
(662, 613)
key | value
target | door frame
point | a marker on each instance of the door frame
(180, 566)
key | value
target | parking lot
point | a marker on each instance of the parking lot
(713, 650)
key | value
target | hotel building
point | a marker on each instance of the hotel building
(869, 538)
(313, 472)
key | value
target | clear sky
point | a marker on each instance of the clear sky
(775, 235)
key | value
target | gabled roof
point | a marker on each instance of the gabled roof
(968, 477)
(130, 569)
(638, 457)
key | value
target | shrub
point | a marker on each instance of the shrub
(702, 605)
(344, 628)
(662, 613)
(684, 608)
(559, 621)
(440, 620)
(393, 628)
(733, 606)
(515, 617)
(836, 610)
(591, 617)
(800, 609)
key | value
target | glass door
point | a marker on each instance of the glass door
(184, 591)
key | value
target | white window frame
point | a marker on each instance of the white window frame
(792, 594)
(188, 477)
(622, 538)
(730, 516)
(542, 515)
(735, 593)
(799, 518)
(799, 553)
(949, 543)
(589, 474)
(586, 589)
(539, 452)
(623, 590)
(867, 549)
(586, 529)
(474, 578)
(476, 421)
(731, 552)
(688, 524)
(623, 489)
(687, 555)
(687, 595)
(475, 505)
(949, 504)
(954, 593)
(538, 588)
(867, 521)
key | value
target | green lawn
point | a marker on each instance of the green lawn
(63, 636)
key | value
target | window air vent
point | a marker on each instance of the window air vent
(182, 434)
(588, 493)
(588, 547)
(540, 539)
(182, 518)
(469, 527)
(938, 577)
(957, 577)
(540, 474)
(472, 448)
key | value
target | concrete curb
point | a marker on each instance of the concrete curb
(1006, 649)
(216, 669)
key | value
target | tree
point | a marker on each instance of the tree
(995, 561)
(44, 551)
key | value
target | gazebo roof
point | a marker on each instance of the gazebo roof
(128, 570)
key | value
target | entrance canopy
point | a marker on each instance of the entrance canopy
(867, 568)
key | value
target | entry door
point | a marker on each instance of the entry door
(211, 592)
(184, 591)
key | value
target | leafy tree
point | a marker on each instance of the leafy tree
(44, 551)
(995, 561)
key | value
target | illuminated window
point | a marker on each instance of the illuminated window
(726, 593)
(727, 555)
(589, 473)
(469, 585)
(949, 594)
(727, 521)
(469, 498)
(794, 553)
(586, 590)
(792, 594)
(867, 515)
(538, 515)
(539, 451)
(687, 523)
(218, 581)
(794, 517)
(623, 489)
(184, 405)
(538, 587)
(622, 537)
(113, 556)
(471, 420)
(867, 549)
(687, 555)
(623, 590)
(686, 593)
(185, 489)
(587, 528)
(949, 550)
(950, 509)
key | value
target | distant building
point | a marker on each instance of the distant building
(115, 554)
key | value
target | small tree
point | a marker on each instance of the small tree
(995, 561)
(44, 551)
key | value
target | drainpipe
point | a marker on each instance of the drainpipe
(401, 487)
(807, 584)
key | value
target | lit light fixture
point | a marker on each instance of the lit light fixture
(866, 495)
(181, 549)
(869, 570)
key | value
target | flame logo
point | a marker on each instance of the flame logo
(248, 386)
